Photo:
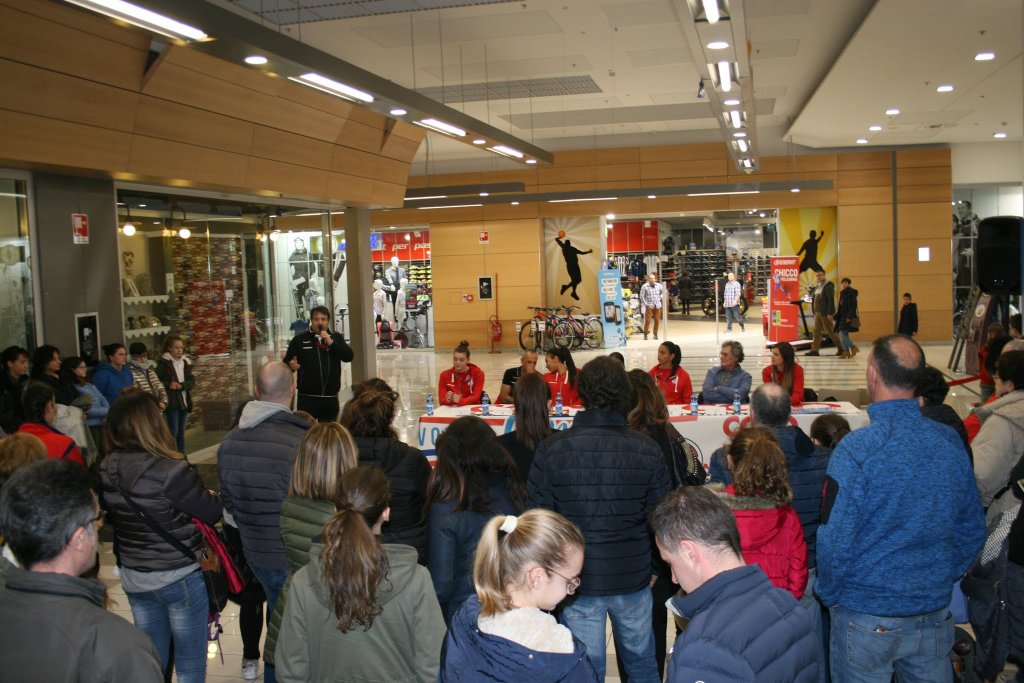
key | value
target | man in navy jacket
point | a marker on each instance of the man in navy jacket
(742, 628)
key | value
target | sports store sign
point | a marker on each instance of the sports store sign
(411, 245)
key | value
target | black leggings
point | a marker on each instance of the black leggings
(250, 618)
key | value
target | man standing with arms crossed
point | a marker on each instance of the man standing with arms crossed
(651, 295)
(317, 355)
(731, 300)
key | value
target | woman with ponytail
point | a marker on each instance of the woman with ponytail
(673, 381)
(360, 607)
(759, 496)
(524, 567)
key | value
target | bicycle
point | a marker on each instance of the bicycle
(535, 333)
(587, 330)
(410, 334)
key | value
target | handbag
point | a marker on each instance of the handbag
(687, 469)
(853, 323)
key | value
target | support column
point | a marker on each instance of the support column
(359, 271)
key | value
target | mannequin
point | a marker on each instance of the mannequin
(303, 270)
(379, 297)
(400, 304)
(393, 277)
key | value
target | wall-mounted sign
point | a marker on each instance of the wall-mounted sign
(80, 228)
(486, 287)
(485, 237)
(87, 334)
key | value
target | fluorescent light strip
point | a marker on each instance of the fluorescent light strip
(333, 87)
(144, 18)
(711, 12)
(583, 199)
(451, 206)
(716, 194)
(420, 199)
(441, 127)
(725, 76)
(737, 120)
(507, 151)
(742, 144)
(13, 194)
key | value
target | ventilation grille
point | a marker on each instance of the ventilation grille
(288, 12)
(513, 90)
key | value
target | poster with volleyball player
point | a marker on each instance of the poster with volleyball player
(573, 249)
(812, 235)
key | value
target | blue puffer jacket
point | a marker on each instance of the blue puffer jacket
(742, 628)
(451, 544)
(110, 382)
(471, 655)
(806, 465)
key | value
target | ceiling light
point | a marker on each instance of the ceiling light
(420, 199)
(398, 111)
(795, 189)
(984, 56)
(584, 199)
(451, 206)
(274, 235)
(736, 118)
(724, 76)
(944, 88)
(731, 102)
(1000, 135)
(862, 141)
(142, 206)
(747, 163)
(739, 134)
(762, 214)
(184, 233)
(757, 231)
(515, 203)
(651, 196)
(479, 141)
(874, 129)
(144, 18)
(742, 145)
(156, 222)
(485, 194)
(717, 45)
(716, 194)
(507, 151)
(256, 60)
(408, 237)
(441, 127)
(128, 229)
(892, 112)
(332, 87)
(609, 216)
(711, 12)
(531, 161)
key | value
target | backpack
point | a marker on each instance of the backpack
(687, 469)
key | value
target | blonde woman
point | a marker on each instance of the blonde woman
(524, 567)
(325, 453)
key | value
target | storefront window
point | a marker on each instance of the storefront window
(17, 311)
(403, 291)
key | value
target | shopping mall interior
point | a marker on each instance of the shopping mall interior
(429, 171)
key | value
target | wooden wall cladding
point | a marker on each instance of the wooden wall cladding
(78, 97)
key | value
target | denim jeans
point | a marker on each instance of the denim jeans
(630, 613)
(176, 423)
(733, 313)
(844, 337)
(867, 649)
(271, 580)
(176, 611)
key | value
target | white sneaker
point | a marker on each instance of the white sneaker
(250, 667)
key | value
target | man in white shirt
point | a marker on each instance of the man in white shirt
(731, 298)
(651, 295)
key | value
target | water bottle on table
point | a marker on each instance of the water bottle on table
(430, 404)
(736, 402)
(558, 404)
(693, 403)
(485, 404)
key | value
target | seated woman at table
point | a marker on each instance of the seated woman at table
(784, 370)
(463, 384)
(532, 424)
(561, 376)
(673, 381)
(474, 480)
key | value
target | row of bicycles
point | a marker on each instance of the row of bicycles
(558, 327)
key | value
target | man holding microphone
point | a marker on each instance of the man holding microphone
(317, 355)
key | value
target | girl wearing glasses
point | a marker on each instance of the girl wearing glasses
(524, 567)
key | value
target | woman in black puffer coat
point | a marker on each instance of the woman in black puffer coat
(368, 417)
(165, 587)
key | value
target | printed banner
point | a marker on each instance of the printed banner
(810, 234)
(613, 318)
(572, 256)
(784, 288)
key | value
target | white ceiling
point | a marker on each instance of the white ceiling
(823, 70)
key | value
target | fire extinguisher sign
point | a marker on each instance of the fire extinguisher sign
(80, 228)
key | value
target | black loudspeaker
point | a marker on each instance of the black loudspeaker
(998, 254)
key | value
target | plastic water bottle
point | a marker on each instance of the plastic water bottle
(693, 403)
(558, 404)
(485, 402)
(430, 404)
(736, 402)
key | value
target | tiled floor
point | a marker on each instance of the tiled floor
(413, 373)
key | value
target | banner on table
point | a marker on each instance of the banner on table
(613, 318)
(784, 288)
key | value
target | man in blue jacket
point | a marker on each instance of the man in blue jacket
(742, 628)
(901, 521)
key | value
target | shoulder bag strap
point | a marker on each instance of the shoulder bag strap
(156, 528)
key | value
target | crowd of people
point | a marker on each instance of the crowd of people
(807, 557)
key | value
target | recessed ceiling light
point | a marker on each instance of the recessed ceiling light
(862, 141)
(717, 45)
(892, 112)
(999, 135)
(609, 216)
(944, 88)
(651, 196)
(145, 18)
(732, 102)
(739, 134)
(142, 206)
(795, 189)
(479, 141)
(531, 161)
(398, 112)
(984, 56)
(485, 194)
(874, 129)
(256, 60)
(515, 203)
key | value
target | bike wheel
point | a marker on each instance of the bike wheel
(593, 333)
(528, 341)
(562, 336)
(708, 306)
(577, 333)
(744, 305)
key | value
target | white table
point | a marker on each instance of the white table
(712, 427)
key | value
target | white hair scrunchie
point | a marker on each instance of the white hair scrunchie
(509, 525)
